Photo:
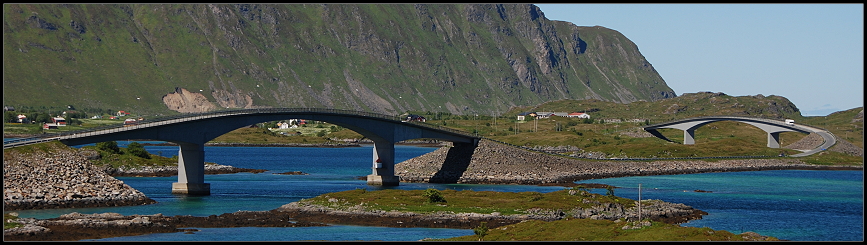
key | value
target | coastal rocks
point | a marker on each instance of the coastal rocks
(77, 226)
(494, 163)
(61, 178)
(293, 173)
(165, 171)
(656, 210)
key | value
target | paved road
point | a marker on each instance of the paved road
(830, 140)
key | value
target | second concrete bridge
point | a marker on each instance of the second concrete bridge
(772, 127)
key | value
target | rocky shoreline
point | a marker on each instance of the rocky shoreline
(65, 178)
(76, 226)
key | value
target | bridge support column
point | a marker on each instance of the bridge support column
(774, 140)
(191, 171)
(689, 137)
(383, 165)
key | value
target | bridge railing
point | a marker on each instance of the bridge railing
(204, 115)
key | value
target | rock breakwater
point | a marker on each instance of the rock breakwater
(59, 177)
(494, 163)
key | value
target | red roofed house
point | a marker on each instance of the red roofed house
(59, 121)
(579, 115)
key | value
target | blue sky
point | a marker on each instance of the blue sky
(812, 54)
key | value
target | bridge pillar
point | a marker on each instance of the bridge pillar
(383, 165)
(689, 137)
(774, 140)
(191, 171)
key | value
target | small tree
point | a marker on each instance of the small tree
(138, 150)
(434, 196)
(481, 230)
(610, 191)
(108, 146)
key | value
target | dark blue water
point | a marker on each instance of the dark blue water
(793, 205)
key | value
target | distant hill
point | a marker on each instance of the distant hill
(157, 59)
(684, 106)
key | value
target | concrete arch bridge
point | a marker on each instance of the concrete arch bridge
(192, 131)
(772, 127)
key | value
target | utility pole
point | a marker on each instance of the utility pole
(495, 121)
(639, 203)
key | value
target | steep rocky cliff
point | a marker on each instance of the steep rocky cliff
(463, 59)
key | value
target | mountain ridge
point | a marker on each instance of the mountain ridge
(456, 58)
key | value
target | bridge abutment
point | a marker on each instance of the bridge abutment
(383, 165)
(191, 170)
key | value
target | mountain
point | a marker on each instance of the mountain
(157, 59)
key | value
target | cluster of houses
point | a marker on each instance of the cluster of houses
(414, 118)
(59, 121)
(546, 114)
(292, 123)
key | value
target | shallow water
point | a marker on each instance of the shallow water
(797, 205)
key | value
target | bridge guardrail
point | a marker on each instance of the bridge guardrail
(203, 115)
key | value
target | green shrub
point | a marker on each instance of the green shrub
(481, 230)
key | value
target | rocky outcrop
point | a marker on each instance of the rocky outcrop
(495, 163)
(185, 101)
(61, 178)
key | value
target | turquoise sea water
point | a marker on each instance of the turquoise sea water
(795, 205)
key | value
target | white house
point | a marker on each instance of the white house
(543, 114)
